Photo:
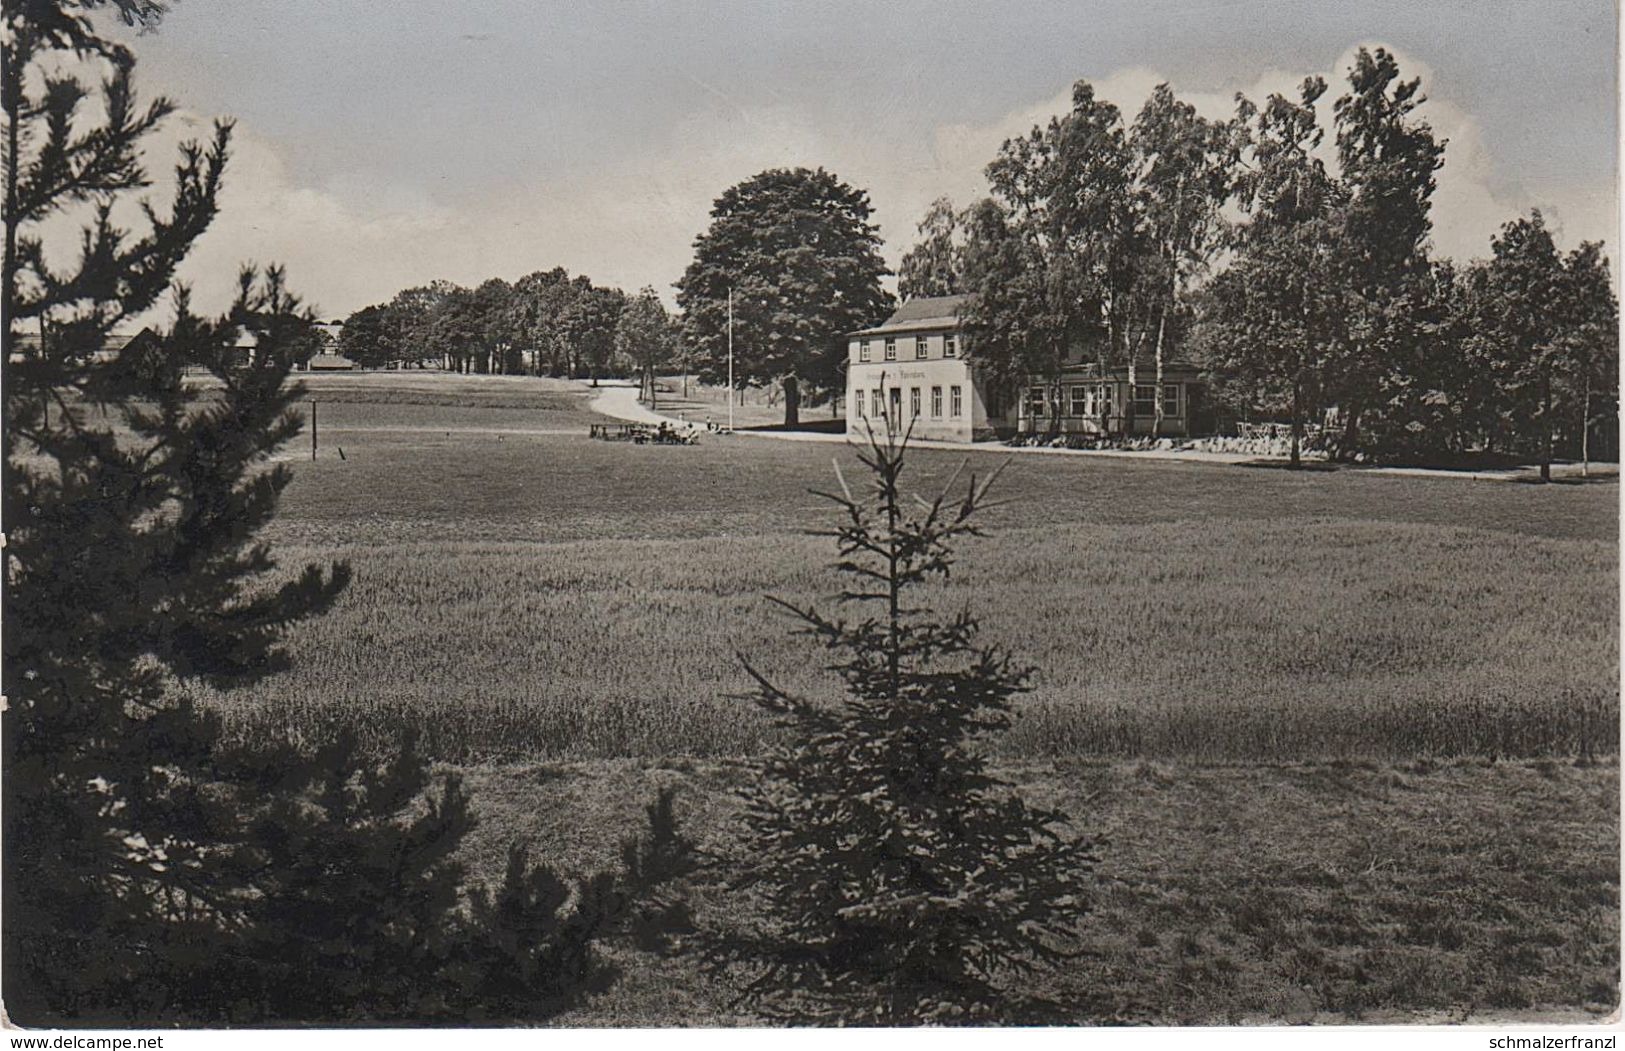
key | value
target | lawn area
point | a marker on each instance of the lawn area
(1349, 741)
(1462, 891)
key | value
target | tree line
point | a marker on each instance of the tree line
(789, 264)
(1299, 270)
(546, 323)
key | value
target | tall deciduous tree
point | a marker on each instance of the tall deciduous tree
(1279, 316)
(935, 265)
(1184, 165)
(587, 324)
(415, 311)
(1387, 158)
(1035, 300)
(538, 300)
(494, 327)
(1591, 346)
(798, 252)
(1542, 318)
(1073, 264)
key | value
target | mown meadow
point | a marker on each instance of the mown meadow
(1349, 741)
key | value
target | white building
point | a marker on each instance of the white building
(915, 373)
(912, 372)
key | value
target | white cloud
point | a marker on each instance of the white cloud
(362, 238)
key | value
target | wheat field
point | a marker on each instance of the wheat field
(523, 592)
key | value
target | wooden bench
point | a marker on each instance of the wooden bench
(618, 432)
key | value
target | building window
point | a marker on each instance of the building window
(1103, 399)
(880, 403)
(914, 401)
(859, 403)
(891, 350)
(1035, 402)
(863, 351)
(936, 402)
(1170, 399)
(919, 346)
(1080, 402)
(1145, 399)
(895, 417)
(956, 403)
(950, 346)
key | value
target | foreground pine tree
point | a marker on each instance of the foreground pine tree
(153, 874)
(895, 879)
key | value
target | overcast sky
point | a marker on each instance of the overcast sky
(385, 143)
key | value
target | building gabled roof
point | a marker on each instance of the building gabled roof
(921, 314)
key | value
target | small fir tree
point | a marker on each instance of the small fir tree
(898, 880)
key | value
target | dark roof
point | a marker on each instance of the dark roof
(23, 343)
(921, 313)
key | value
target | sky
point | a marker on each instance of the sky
(382, 144)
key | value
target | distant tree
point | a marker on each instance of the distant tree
(1021, 319)
(1184, 169)
(646, 336)
(1278, 317)
(493, 327)
(896, 879)
(1387, 160)
(1094, 220)
(1066, 268)
(798, 252)
(1542, 324)
(1591, 346)
(538, 301)
(587, 325)
(415, 311)
(934, 266)
(371, 337)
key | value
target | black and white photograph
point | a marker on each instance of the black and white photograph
(806, 513)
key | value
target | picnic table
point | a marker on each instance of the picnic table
(643, 433)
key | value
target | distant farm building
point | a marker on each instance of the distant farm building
(328, 361)
(25, 345)
(917, 371)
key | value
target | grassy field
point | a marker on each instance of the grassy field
(1227, 894)
(524, 592)
(1349, 741)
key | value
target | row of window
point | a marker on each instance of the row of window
(956, 403)
(1097, 400)
(950, 348)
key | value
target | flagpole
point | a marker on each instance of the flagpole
(730, 359)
